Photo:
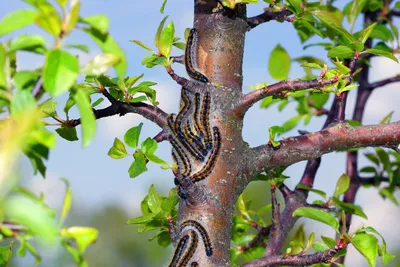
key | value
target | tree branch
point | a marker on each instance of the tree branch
(268, 16)
(337, 137)
(151, 113)
(191, 86)
(258, 239)
(251, 98)
(383, 82)
(295, 260)
(179, 59)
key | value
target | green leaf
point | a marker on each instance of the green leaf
(367, 245)
(32, 43)
(33, 215)
(141, 44)
(341, 51)
(138, 166)
(22, 103)
(68, 133)
(386, 257)
(118, 150)
(131, 137)
(342, 185)
(330, 242)
(99, 22)
(67, 201)
(317, 215)
(88, 121)
(169, 204)
(273, 131)
(5, 254)
(108, 45)
(101, 64)
(163, 6)
(382, 53)
(355, 10)
(298, 241)
(60, 72)
(279, 63)
(349, 207)
(154, 200)
(387, 118)
(364, 34)
(316, 191)
(83, 236)
(73, 16)
(81, 47)
(142, 219)
(381, 32)
(159, 30)
(49, 20)
(166, 40)
(320, 246)
(3, 67)
(16, 20)
(291, 123)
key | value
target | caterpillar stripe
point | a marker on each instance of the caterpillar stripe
(195, 118)
(179, 251)
(179, 135)
(186, 106)
(192, 137)
(205, 120)
(191, 71)
(190, 249)
(209, 166)
(183, 161)
(203, 233)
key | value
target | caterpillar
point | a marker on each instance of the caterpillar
(190, 249)
(180, 158)
(205, 120)
(208, 167)
(203, 233)
(191, 71)
(194, 264)
(192, 137)
(179, 250)
(179, 135)
(195, 118)
(186, 106)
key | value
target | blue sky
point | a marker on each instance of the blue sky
(97, 179)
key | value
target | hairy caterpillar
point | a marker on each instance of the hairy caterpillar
(186, 106)
(179, 135)
(179, 250)
(190, 249)
(208, 167)
(195, 117)
(203, 233)
(191, 71)
(192, 137)
(205, 120)
(180, 158)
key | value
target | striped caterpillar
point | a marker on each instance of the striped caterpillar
(184, 250)
(191, 71)
(205, 120)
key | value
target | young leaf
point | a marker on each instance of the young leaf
(67, 201)
(49, 20)
(341, 51)
(16, 20)
(131, 137)
(166, 39)
(99, 22)
(364, 34)
(68, 133)
(159, 30)
(60, 72)
(367, 245)
(108, 45)
(279, 63)
(382, 53)
(342, 185)
(316, 191)
(118, 150)
(273, 131)
(138, 166)
(88, 121)
(83, 236)
(32, 43)
(317, 215)
(141, 44)
(3, 67)
(101, 64)
(163, 6)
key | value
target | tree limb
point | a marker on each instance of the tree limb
(383, 82)
(251, 98)
(268, 16)
(337, 137)
(151, 113)
(295, 260)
